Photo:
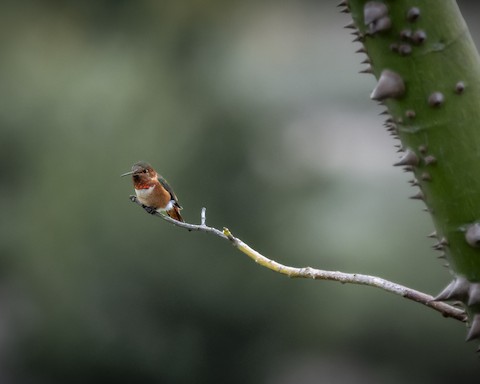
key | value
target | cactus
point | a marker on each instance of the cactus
(428, 77)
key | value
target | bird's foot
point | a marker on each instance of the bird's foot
(150, 210)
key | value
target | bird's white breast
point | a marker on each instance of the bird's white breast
(143, 194)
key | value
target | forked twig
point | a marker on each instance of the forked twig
(317, 274)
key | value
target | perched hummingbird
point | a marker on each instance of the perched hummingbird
(153, 191)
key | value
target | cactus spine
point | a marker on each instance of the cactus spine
(428, 77)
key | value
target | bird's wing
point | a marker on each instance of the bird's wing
(170, 190)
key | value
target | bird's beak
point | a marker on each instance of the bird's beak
(127, 173)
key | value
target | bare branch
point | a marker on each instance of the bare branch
(317, 274)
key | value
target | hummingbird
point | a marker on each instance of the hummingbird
(153, 191)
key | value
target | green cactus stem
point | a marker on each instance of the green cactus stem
(428, 77)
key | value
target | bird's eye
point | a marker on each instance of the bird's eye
(145, 171)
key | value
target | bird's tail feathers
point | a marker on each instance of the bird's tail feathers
(174, 213)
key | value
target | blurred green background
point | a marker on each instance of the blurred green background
(252, 109)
